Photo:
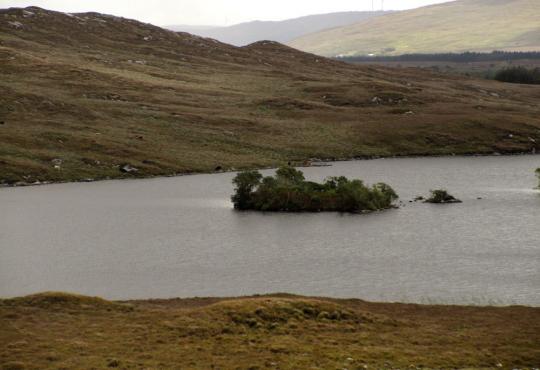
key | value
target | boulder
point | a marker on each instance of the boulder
(127, 168)
(16, 25)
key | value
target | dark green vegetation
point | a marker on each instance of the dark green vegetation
(60, 331)
(288, 191)
(84, 95)
(455, 26)
(519, 75)
(538, 175)
(441, 196)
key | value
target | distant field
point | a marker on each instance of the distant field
(483, 65)
(61, 331)
(456, 26)
(475, 69)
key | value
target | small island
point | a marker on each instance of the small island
(442, 197)
(288, 191)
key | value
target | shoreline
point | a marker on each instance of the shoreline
(203, 300)
(295, 164)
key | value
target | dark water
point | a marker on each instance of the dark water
(180, 237)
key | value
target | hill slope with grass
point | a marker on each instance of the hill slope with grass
(457, 26)
(61, 331)
(281, 31)
(91, 96)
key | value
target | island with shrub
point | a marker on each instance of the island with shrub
(441, 196)
(288, 191)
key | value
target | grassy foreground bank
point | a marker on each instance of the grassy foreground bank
(61, 331)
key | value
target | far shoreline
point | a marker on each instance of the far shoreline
(294, 164)
(203, 299)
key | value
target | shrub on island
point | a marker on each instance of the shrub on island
(288, 191)
(441, 197)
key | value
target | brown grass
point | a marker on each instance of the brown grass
(60, 331)
(73, 90)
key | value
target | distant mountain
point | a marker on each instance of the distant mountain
(457, 26)
(281, 31)
(191, 29)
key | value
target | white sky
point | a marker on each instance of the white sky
(213, 12)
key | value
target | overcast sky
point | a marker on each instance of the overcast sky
(213, 12)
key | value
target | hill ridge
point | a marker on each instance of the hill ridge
(455, 26)
(282, 31)
(89, 96)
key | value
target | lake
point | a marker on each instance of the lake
(180, 237)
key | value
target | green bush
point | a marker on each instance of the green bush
(441, 196)
(538, 175)
(245, 182)
(288, 191)
(520, 75)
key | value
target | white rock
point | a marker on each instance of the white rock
(15, 24)
(127, 168)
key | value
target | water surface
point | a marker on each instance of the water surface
(180, 237)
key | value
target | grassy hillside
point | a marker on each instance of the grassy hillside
(60, 331)
(281, 31)
(462, 25)
(84, 95)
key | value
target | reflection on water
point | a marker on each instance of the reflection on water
(180, 237)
